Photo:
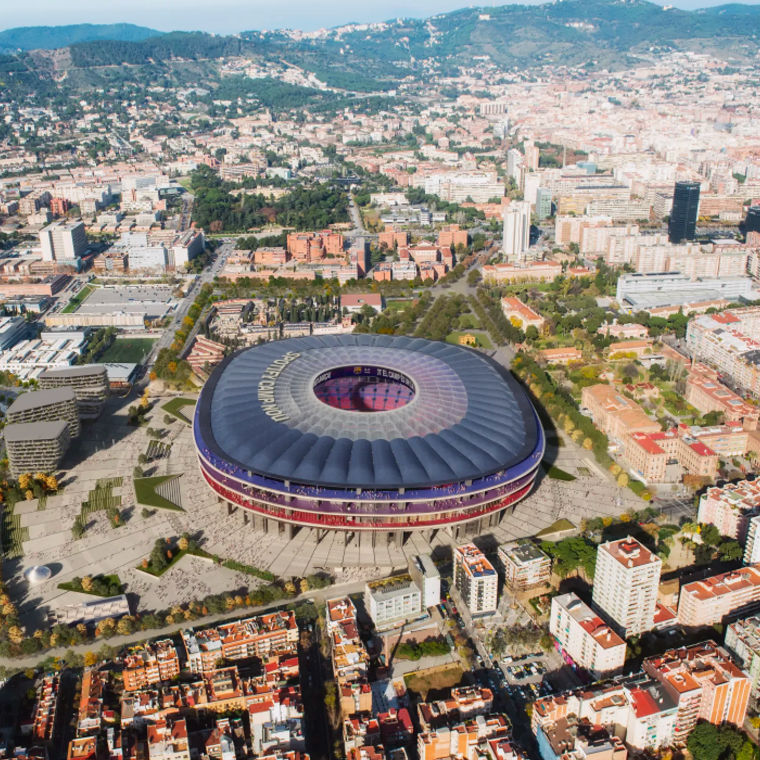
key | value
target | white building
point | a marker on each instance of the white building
(425, 574)
(625, 584)
(516, 230)
(585, 637)
(63, 241)
(393, 600)
(475, 579)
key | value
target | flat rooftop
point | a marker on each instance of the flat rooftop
(36, 399)
(33, 431)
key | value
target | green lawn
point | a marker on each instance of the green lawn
(556, 473)
(176, 405)
(145, 492)
(78, 299)
(102, 583)
(128, 350)
(483, 340)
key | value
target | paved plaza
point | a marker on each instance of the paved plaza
(109, 448)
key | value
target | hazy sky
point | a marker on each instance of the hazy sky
(225, 16)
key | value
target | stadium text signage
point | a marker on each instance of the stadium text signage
(266, 386)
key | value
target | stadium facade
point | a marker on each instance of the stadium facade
(366, 433)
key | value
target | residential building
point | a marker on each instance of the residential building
(683, 216)
(571, 738)
(355, 302)
(35, 446)
(63, 241)
(525, 566)
(167, 739)
(730, 507)
(712, 599)
(585, 637)
(391, 601)
(475, 579)
(743, 643)
(46, 406)
(205, 355)
(516, 237)
(705, 683)
(154, 662)
(90, 384)
(625, 584)
(250, 637)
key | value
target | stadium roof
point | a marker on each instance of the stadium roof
(468, 418)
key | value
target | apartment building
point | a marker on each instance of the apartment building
(614, 414)
(425, 574)
(462, 739)
(730, 507)
(313, 246)
(35, 446)
(585, 637)
(391, 601)
(47, 406)
(726, 341)
(252, 637)
(710, 600)
(707, 394)
(167, 739)
(626, 581)
(154, 662)
(571, 738)
(520, 314)
(89, 382)
(475, 579)
(349, 657)
(705, 683)
(524, 565)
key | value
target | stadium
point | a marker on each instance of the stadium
(366, 433)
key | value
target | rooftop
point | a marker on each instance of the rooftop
(34, 431)
(37, 399)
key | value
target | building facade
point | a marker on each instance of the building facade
(476, 580)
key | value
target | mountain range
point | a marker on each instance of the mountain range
(373, 57)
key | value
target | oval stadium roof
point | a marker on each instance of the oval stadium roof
(468, 417)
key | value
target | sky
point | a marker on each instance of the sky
(229, 16)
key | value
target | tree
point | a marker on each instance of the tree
(709, 742)
(709, 534)
(730, 550)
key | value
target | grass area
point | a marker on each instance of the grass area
(145, 492)
(562, 524)
(77, 300)
(128, 350)
(13, 534)
(399, 304)
(556, 473)
(102, 586)
(483, 340)
(433, 679)
(175, 406)
(177, 556)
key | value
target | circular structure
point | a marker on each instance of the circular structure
(37, 574)
(366, 432)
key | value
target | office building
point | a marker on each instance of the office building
(585, 637)
(12, 330)
(425, 574)
(525, 566)
(391, 601)
(625, 584)
(516, 230)
(712, 599)
(705, 683)
(476, 580)
(743, 643)
(46, 406)
(35, 446)
(683, 216)
(63, 241)
(89, 382)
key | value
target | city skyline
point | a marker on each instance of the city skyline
(233, 16)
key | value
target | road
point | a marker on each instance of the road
(208, 274)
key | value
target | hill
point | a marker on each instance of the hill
(53, 37)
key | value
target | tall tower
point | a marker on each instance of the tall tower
(683, 217)
(626, 580)
(516, 230)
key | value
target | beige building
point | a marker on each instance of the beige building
(46, 406)
(35, 446)
(710, 600)
(520, 314)
(476, 580)
(614, 414)
(525, 566)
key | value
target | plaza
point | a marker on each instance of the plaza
(109, 449)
